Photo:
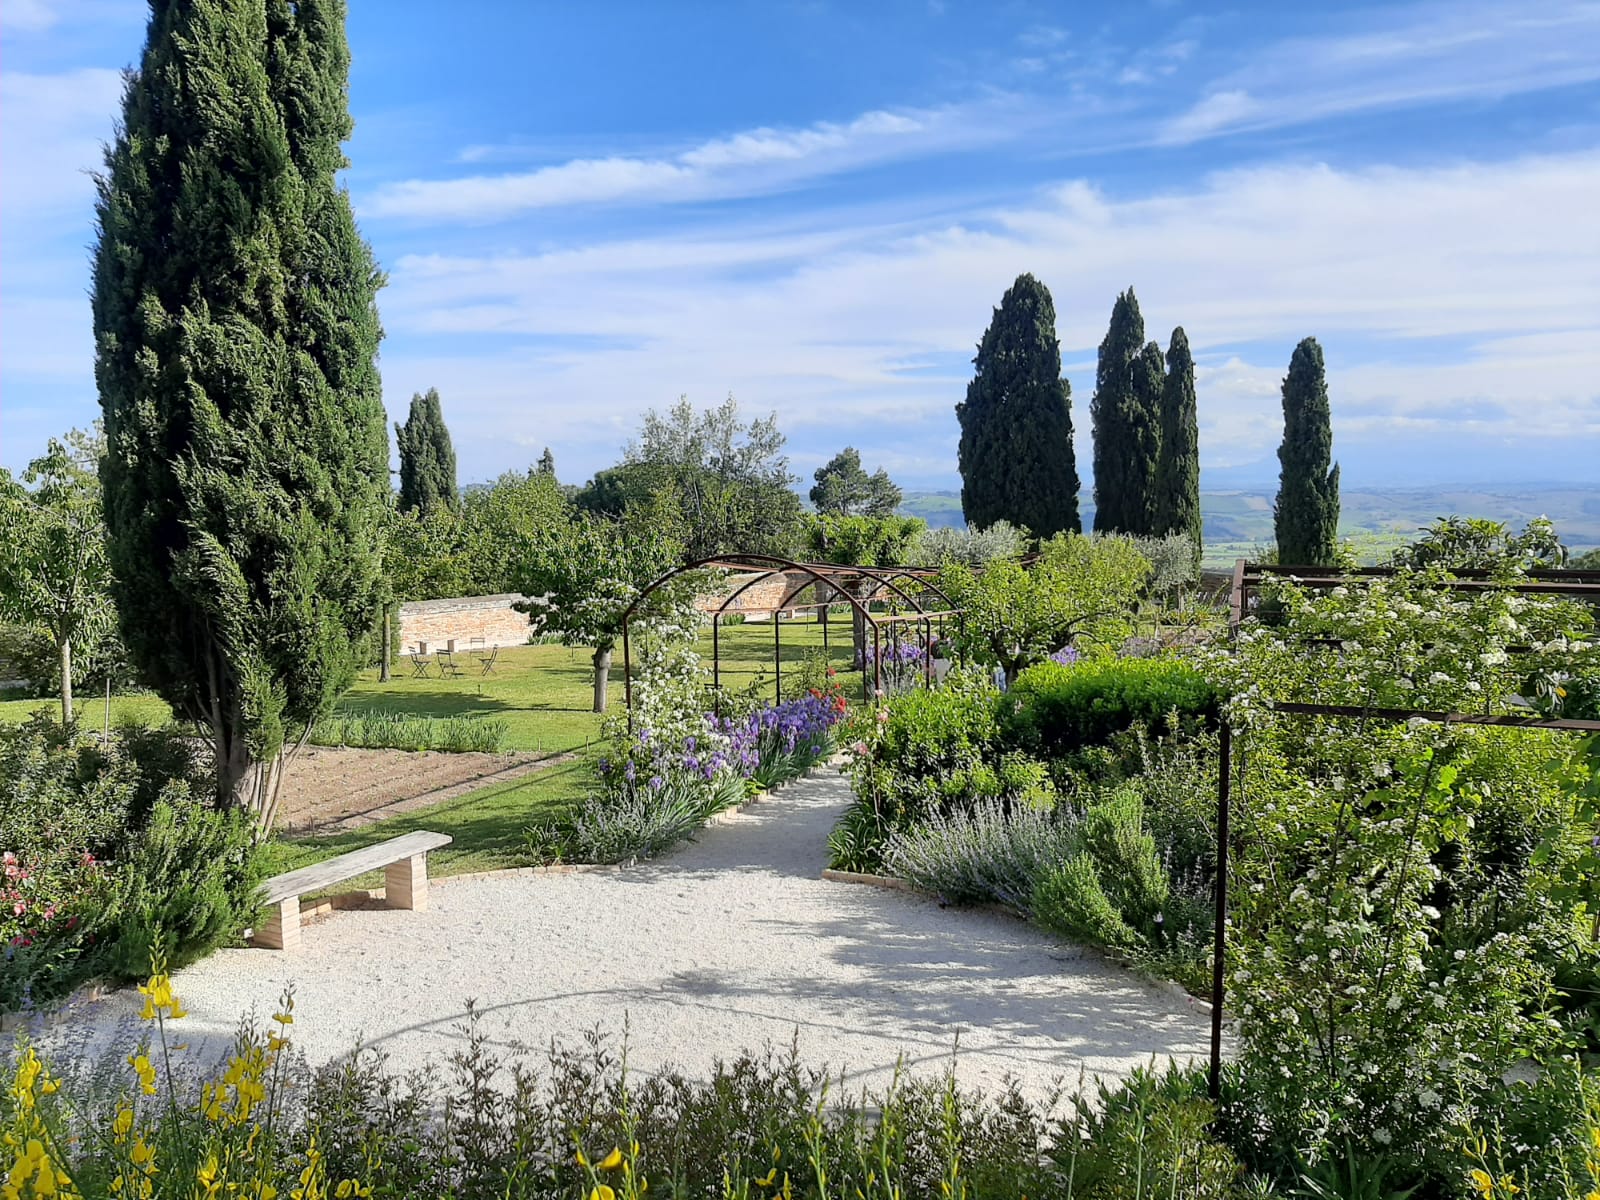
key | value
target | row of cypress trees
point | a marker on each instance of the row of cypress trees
(1016, 455)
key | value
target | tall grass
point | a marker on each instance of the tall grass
(375, 730)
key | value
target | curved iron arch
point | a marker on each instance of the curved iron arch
(767, 565)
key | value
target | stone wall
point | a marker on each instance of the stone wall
(435, 623)
(761, 597)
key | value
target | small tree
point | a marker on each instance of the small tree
(844, 489)
(1306, 516)
(246, 473)
(53, 569)
(547, 463)
(1079, 590)
(1472, 543)
(427, 459)
(1177, 493)
(975, 547)
(728, 478)
(1016, 455)
(1126, 416)
(586, 570)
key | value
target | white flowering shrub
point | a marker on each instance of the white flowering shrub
(1403, 899)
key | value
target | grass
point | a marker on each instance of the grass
(487, 825)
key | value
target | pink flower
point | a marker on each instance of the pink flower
(50, 912)
(19, 908)
(859, 748)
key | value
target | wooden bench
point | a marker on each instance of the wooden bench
(405, 883)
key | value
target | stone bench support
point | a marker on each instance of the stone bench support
(404, 861)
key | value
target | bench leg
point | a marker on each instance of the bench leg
(282, 928)
(405, 883)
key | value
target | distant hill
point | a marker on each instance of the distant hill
(1239, 522)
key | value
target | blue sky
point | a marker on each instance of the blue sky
(586, 210)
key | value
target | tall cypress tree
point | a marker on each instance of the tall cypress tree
(1306, 517)
(1129, 379)
(236, 326)
(1016, 457)
(427, 459)
(1178, 467)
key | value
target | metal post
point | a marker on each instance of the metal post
(877, 662)
(825, 606)
(716, 657)
(627, 673)
(1219, 938)
(927, 652)
(777, 661)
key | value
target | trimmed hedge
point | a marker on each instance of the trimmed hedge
(1057, 710)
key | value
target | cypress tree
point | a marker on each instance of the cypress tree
(1016, 457)
(427, 459)
(236, 326)
(1178, 468)
(1306, 516)
(1129, 379)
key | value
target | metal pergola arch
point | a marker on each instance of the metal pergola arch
(829, 577)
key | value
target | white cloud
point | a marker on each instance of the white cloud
(866, 331)
(1435, 52)
(51, 130)
(753, 162)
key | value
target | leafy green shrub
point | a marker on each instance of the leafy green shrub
(1057, 710)
(1112, 834)
(378, 730)
(106, 847)
(1069, 900)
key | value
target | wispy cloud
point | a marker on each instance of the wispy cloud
(753, 162)
(52, 127)
(1418, 56)
(866, 332)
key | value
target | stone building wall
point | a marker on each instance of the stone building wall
(762, 596)
(437, 622)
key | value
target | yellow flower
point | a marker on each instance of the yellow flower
(1483, 1181)
(146, 1072)
(602, 1192)
(768, 1179)
(611, 1161)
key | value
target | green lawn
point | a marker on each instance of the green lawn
(543, 694)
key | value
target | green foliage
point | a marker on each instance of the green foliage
(575, 1121)
(500, 519)
(1016, 456)
(1069, 900)
(1113, 835)
(974, 547)
(1306, 516)
(106, 847)
(862, 541)
(376, 729)
(54, 577)
(1469, 543)
(236, 335)
(427, 459)
(1589, 560)
(726, 481)
(1177, 486)
(844, 489)
(1080, 590)
(1126, 410)
(1411, 893)
(590, 569)
(1058, 710)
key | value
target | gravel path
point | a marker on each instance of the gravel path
(732, 942)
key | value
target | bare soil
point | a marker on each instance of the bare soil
(336, 787)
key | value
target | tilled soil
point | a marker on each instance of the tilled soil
(337, 787)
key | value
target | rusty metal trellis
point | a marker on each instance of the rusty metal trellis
(832, 581)
(1251, 576)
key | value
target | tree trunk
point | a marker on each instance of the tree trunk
(383, 663)
(602, 676)
(66, 681)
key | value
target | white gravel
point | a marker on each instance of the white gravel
(733, 942)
